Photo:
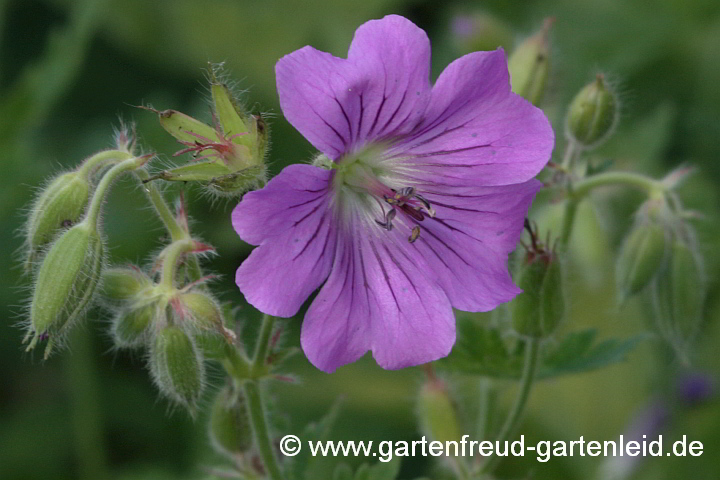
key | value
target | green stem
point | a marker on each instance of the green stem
(170, 260)
(161, 208)
(260, 429)
(651, 186)
(100, 158)
(254, 399)
(572, 149)
(104, 186)
(263, 343)
(532, 353)
(571, 206)
(168, 219)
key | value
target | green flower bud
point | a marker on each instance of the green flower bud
(230, 430)
(641, 257)
(59, 206)
(177, 366)
(202, 310)
(130, 326)
(199, 312)
(437, 414)
(679, 296)
(529, 65)
(66, 283)
(593, 114)
(123, 284)
(541, 307)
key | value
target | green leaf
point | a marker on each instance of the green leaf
(480, 350)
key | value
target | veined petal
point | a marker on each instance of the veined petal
(287, 199)
(379, 92)
(415, 323)
(337, 329)
(392, 56)
(476, 131)
(307, 81)
(296, 237)
(467, 244)
(377, 298)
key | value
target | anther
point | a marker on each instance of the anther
(414, 234)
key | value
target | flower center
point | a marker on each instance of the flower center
(368, 181)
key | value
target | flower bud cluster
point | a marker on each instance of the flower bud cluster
(175, 325)
(65, 246)
(229, 156)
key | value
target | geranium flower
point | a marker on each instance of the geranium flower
(412, 209)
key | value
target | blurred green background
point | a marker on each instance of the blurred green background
(70, 69)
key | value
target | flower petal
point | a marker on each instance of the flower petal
(467, 244)
(378, 298)
(291, 220)
(476, 131)
(288, 198)
(307, 80)
(392, 56)
(336, 329)
(381, 91)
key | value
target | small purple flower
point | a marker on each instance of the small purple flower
(422, 196)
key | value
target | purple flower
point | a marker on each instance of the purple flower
(418, 198)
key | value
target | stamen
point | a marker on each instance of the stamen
(414, 234)
(386, 223)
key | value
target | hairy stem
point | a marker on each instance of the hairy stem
(532, 352)
(104, 186)
(636, 180)
(172, 255)
(263, 343)
(102, 158)
(255, 403)
(161, 208)
(260, 429)
(171, 224)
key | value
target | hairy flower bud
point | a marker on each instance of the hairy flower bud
(539, 309)
(679, 296)
(177, 366)
(123, 284)
(529, 65)
(437, 413)
(230, 430)
(60, 205)
(641, 256)
(593, 114)
(66, 283)
(201, 309)
(130, 326)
